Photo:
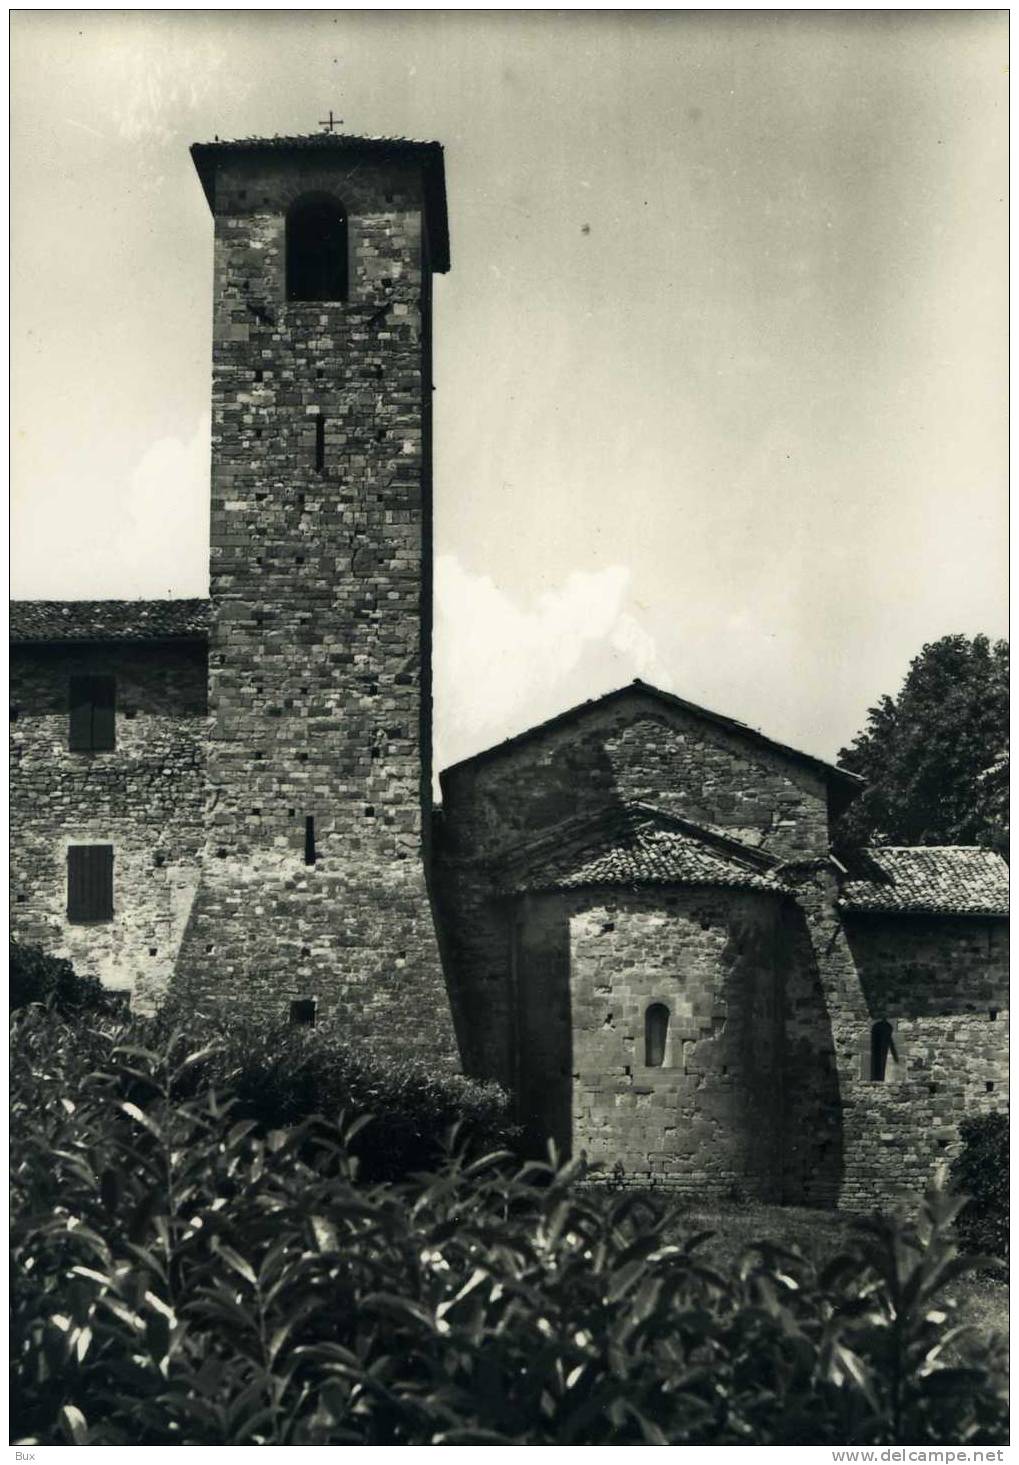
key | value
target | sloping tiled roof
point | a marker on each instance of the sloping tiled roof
(938, 880)
(427, 155)
(637, 845)
(848, 783)
(109, 620)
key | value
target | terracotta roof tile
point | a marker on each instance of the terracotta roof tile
(109, 620)
(639, 846)
(936, 880)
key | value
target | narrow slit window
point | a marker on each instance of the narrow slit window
(309, 840)
(90, 882)
(92, 714)
(302, 1012)
(882, 1047)
(656, 1030)
(320, 444)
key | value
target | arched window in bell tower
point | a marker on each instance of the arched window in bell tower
(317, 265)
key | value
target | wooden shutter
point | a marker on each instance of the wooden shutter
(90, 882)
(93, 714)
(104, 695)
(80, 731)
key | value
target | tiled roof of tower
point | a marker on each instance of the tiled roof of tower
(639, 846)
(932, 880)
(850, 782)
(109, 620)
(427, 154)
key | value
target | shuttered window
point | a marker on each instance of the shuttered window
(92, 714)
(90, 882)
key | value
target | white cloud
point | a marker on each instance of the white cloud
(501, 666)
(163, 529)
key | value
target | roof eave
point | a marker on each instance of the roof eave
(205, 155)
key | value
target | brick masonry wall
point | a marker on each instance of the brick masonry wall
(145, 797)
(320, 651)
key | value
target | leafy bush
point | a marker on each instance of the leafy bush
(37, 977)
(178, 1279)
(280, 1076)
(981, 1172)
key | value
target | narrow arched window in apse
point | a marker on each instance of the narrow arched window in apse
(317, 264)
(882, 1047)
(656, 1031)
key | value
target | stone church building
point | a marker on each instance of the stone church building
(631, 916)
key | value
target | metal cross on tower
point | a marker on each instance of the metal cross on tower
(331, 122)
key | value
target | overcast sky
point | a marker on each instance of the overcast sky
(720, 362)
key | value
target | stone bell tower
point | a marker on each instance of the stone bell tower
(314, 900)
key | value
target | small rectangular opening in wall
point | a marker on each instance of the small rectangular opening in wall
(320, 444)
(90, 882)
(302, 1012)
(309, 839)
(992, 1016)
(989, 1085)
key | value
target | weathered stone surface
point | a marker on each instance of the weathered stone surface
(146, 797)
(316, 705)
(765, 1090)
(319, 662)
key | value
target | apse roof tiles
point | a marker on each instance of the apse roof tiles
(638, 846)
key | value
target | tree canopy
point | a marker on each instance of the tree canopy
(935, 757)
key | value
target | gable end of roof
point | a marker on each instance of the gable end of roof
(848, 783)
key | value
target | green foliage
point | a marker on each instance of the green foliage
(936, 757)
(179, 1279)
(38, 977)
(282, 1075)
(981, 1172)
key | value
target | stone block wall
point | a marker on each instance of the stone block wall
(639, 748)
(145, 797)
(320, 648)
(708, 1121)
(942, 983)
(634, 748)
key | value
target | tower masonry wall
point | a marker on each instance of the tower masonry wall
(319, 661)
